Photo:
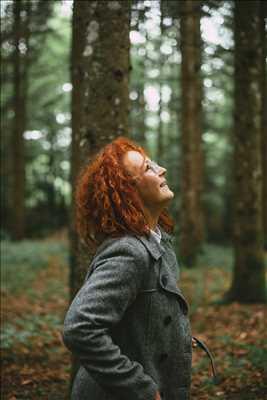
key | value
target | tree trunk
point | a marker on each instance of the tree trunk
(138, 107)
(100, 76)
(248, 278)
(20, 67)
(160, 138)
(100, 97)
(191, 217)
(106, 61)
(140, 122)
(263, 17)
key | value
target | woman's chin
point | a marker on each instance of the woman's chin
(167, 193)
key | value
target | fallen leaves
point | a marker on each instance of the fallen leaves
(234, 333)
(37, 365)
(26, 382)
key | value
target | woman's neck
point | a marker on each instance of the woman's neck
(152, 218)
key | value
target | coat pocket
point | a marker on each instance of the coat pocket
(84, 384)
(184, 370)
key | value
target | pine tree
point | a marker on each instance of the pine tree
(24, 24)
(248, 278)
(21, 24)
(100, 97)
(191, 131)
(263, 19)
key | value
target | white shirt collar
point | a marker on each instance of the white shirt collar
(156, 234)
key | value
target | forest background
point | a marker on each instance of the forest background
(185, 79)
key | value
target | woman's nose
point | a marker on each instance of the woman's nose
(162, 171)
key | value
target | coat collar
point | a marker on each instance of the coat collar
(150, 242)
(166, 236)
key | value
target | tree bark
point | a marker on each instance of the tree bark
(138, 112)
(191, 218)
(106, 61)
(140, 121)
(20, 67)
(263, 18)
(100, 78)
(160, 137)
(248, 283)
(100, 98)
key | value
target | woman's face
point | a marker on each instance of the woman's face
(150, 180)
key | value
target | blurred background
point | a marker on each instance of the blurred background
(185, 79)
(155, 107)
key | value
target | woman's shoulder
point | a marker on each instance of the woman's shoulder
(113, 250)
(126, 243)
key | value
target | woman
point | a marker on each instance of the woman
(128, 324)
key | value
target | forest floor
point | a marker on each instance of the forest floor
(34, 299)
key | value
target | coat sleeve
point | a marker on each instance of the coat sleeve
(99, 305)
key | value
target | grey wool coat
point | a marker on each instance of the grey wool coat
(129, 325)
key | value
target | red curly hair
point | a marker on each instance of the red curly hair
(107, 202)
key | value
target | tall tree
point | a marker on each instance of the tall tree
(248, 283)
(21, 45)
(100, 96)
(191, 132)
(21, 18)
(160, 138)
(6, 102)
(100, 78)
(138, 78)
(263, 19)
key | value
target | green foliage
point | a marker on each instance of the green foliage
(48, 164)
(22, 330)
(238, 354)
(20, 265)
(156, 62)
(47, 136)
(20, 262)
(155, 76)
(213, 256)
(257, 355)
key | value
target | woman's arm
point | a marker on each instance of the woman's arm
(100, 305)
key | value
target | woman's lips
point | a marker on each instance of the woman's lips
(163, 184)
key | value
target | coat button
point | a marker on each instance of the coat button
(164, 279)
(167, 320)
(185, 311)
(163, 357)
